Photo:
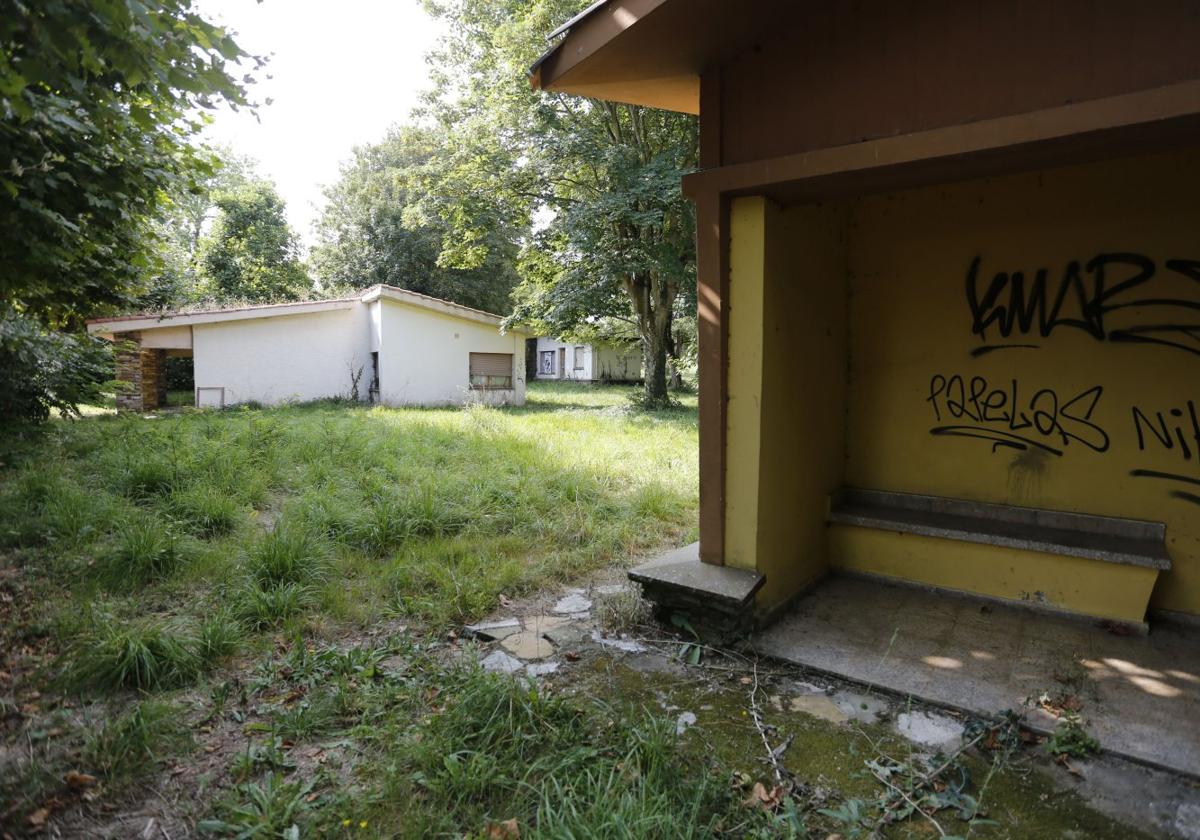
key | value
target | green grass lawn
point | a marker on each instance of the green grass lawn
(163, 566)
(245, 624)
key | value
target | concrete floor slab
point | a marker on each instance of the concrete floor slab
(1141, 694)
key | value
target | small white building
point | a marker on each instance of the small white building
(385, 345)
(587, 362)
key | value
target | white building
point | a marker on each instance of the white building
(587, 362)
(386, 345)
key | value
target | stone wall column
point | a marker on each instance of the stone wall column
(129, 371)
(145, 371)
(154, 378)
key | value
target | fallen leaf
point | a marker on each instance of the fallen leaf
(572, 656)
(38, 818)
(746, 680)
(75, 779)
(505, 601)
(506, 830)
(762, 798)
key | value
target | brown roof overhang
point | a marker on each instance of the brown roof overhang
(651, 52)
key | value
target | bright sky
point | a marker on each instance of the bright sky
(342, 72)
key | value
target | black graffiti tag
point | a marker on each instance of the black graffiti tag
(1007, 417)
(1012, 305)
(1175, 430)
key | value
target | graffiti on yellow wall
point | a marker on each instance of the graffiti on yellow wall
(1110, 297)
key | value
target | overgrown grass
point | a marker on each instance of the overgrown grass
(362, 513)
(502, 749)
(127, 746)
(172, 544)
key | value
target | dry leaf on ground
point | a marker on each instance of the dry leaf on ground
(506, 830)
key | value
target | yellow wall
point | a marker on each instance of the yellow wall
(911, 328)
(787, 376)
(747, 261)
(849, 323)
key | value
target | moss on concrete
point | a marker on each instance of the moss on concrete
(830, 757)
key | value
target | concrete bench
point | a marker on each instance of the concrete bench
(1106, 538)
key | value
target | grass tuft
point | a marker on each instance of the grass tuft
(260, 608)
(145, 549)
(144, 655)
(219, 636)
(290, 555)
(565, 767)
(208, 511)
(127, 747)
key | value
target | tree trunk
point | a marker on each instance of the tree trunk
(654, 358)
(652, 299)
(674, 376)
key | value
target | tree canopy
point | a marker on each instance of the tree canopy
(99, 104)
(592, 189)
(251, 253)
(376, 228)
(99, 100)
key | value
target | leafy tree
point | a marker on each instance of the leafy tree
(174, 277)
(595, 184)
(98, 101)
(251, 253)
(43, 369)
(375, 229)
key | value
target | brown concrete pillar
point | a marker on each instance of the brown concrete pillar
(712, 252)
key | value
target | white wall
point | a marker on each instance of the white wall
(569, 371)
(284, 358)
(599, 363)
(424, 357)
(609, 363)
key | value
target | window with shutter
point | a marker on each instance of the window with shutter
(491, 371)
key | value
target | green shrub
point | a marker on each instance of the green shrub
(145, 655)
(44, 370)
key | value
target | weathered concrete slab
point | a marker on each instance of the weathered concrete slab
(499, 662)
(495, 630)
(1140, 693)
(1106, 538)
(681, 569)
(527, 645)
(573, 604)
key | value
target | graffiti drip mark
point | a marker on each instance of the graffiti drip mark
(1165, 476)
(989, 348)
(1152, 334)
(999, 439)
(1186, 497)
